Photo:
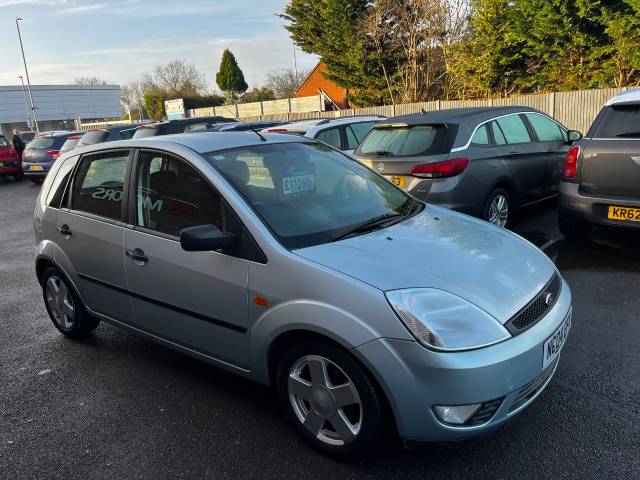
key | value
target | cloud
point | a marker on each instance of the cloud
(81, 8)
(8, 3)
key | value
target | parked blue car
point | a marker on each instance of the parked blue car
(40, 154)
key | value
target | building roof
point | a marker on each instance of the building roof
(315, 82)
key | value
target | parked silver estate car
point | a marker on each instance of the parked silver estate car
(287, 262)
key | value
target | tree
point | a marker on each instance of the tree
(258, 95)
(284, 83)
(154, 105)
(89, 81)
(230, 78)
(132, 95)
(176, 79)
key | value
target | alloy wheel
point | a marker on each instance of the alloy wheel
(499, 211)
(60, 302)
(325, 400)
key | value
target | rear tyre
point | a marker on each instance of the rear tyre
(497, 208)
(572, 228)
(330, 399)
(66, 310)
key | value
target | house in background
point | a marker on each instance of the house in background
(317, 84)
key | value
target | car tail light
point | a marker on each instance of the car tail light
(570, 171)
(53, 153)
(277, 130)
(445, 169)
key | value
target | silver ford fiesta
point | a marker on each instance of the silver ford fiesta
(285, 261)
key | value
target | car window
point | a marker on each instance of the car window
(352, 140)
(70, 143)
(171, 196)
(307, 193)
(481, 137)
(3, 142)
(546, 129)
(330, 136)
(93, 137)
(405, 140)
(98, 184)
(144, 132)
(59, 183)
(41, 143)
(514, 129)
(361, 129)
(620, 122)
(498, 136)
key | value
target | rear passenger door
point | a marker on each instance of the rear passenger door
(552, 145)
(90, 228)
(195, 299)
(355, 132)
(528, 167)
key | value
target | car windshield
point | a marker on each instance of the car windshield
(41, 143)
(309, 194)
(404, 140)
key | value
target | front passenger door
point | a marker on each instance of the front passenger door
(197, 300)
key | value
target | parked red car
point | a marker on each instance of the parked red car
(10, 161)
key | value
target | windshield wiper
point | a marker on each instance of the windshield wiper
(629, 134)
(368, 226)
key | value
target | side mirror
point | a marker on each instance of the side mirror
(573, 136)
(205, 238)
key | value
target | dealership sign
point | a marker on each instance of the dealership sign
(174, 109)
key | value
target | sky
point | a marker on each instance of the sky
(119, 40)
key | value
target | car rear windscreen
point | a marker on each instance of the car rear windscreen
(93, 137)
(41, 143)
(145, 132)
(403, 141)
(621, 121)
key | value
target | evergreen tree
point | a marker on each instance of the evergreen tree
(154, 105)
(230, 78)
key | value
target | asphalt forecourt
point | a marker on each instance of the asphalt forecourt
(117, 406)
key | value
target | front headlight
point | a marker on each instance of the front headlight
(443, 321)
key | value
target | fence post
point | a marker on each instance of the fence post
(237, 111)
(261, 110)
(439, 104)
(552, 106)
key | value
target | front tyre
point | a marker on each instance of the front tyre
(497, 208)
(66, 310)
(330, 399)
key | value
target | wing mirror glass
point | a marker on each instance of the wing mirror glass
(206, 238)
(573, 136)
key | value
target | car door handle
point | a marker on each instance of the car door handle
(64, 230)
(137, 256)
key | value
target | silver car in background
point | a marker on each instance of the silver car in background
(286, 262)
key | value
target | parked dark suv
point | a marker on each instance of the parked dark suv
(485, 162)
(109, 134)
(601, 177)
(178, 126)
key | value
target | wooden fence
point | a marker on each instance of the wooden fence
(575, 109)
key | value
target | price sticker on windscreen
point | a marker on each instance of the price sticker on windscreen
(298, 184)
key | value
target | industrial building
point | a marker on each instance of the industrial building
(57, 106)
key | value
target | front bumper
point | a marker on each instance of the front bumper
(593, 209)
(415, 379)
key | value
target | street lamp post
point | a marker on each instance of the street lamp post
(26, 103)
(26, 71)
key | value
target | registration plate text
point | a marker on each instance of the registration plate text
(624, 213)
(555, 342)
(299, 183)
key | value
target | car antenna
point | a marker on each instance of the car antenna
(238, 119)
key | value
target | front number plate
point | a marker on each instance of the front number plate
(624, 213)
(555, 342)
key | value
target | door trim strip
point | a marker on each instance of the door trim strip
(169, 306)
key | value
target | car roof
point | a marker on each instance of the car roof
(630, 97)
(306, 125)
(202, 142)
(457, 115)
